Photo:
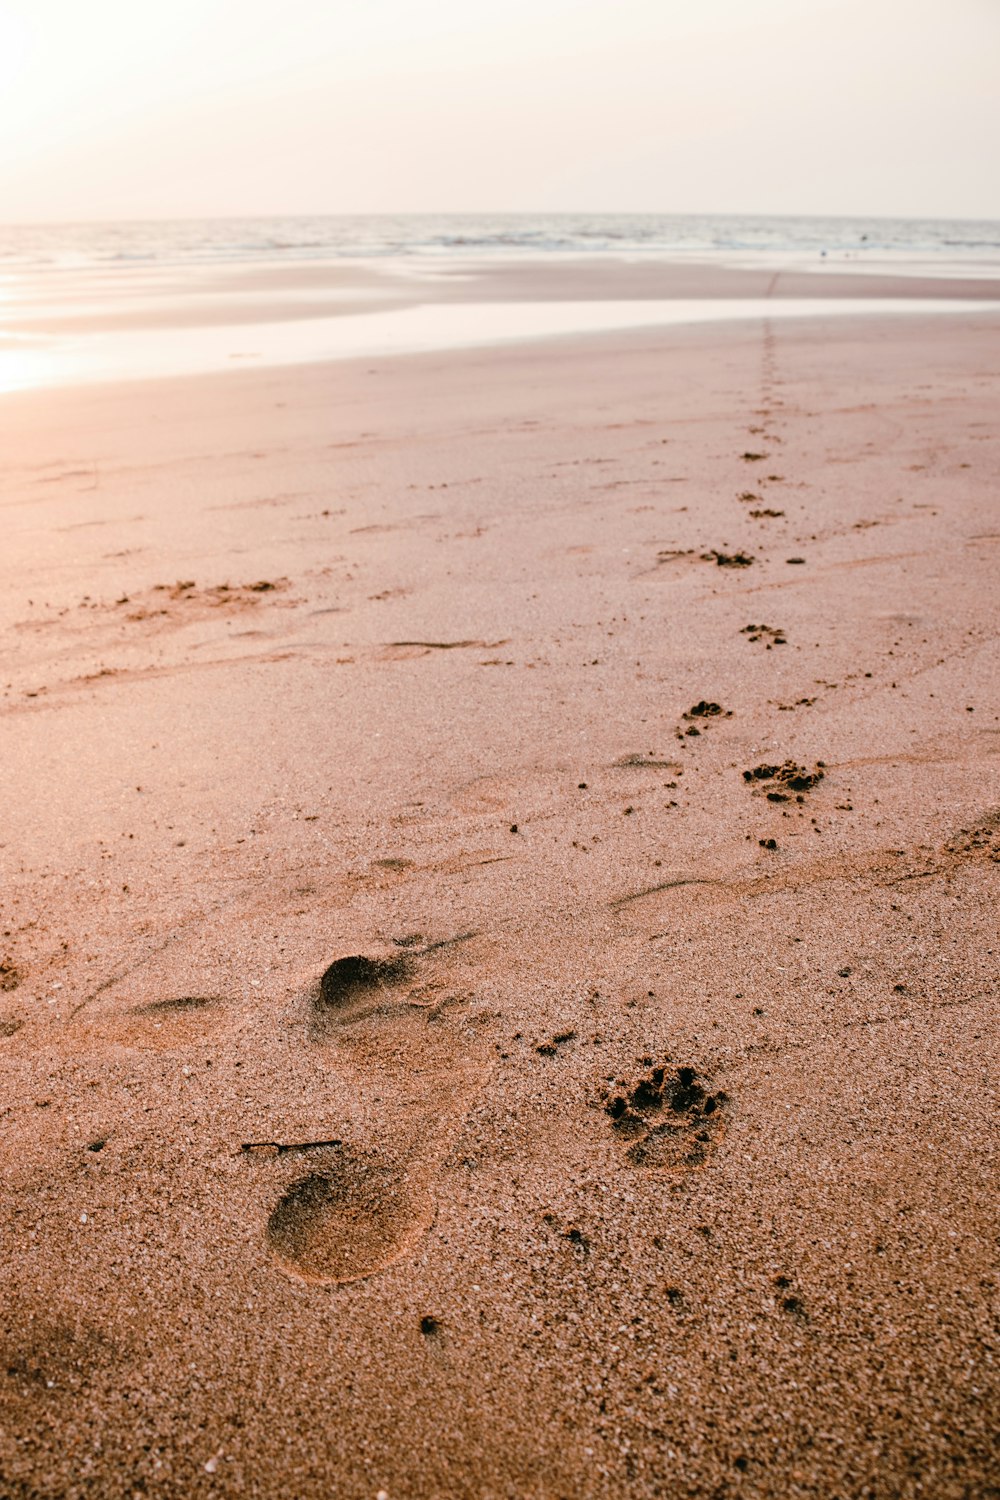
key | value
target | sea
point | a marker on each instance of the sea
(334, 237)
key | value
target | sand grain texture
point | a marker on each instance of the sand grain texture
(645, 1143)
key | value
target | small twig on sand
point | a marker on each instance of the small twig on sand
(281, 1148)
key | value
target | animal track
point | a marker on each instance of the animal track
(185, 599)
(760, 632)
(722, 559)
(787, 778)
(982, 842)
(728, 559)
(703, 710)
(10, 975)
(670, 1119)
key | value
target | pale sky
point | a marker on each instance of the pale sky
(177, 108)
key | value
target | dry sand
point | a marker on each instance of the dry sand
(631, 1154)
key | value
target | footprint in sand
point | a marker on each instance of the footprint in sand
(358, 986)
(669, 1117)
(349, 1219)
(327, 1127)
(389, 1020)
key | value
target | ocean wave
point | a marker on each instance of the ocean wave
(362, 237)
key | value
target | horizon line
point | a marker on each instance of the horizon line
(500, 213)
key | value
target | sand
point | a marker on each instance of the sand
(114, 299)
(446, 1048)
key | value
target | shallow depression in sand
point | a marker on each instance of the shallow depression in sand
(349, 1220)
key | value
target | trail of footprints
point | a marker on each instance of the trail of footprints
(355, 1212)
(351, 1189)
(348, 1206)
(345, 1211)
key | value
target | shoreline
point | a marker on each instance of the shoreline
(109, 328)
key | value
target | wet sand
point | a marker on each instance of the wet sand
(499, 942)
(101, 299)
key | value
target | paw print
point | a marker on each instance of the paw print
(669, 1117)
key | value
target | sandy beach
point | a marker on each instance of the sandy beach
(499, 949)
